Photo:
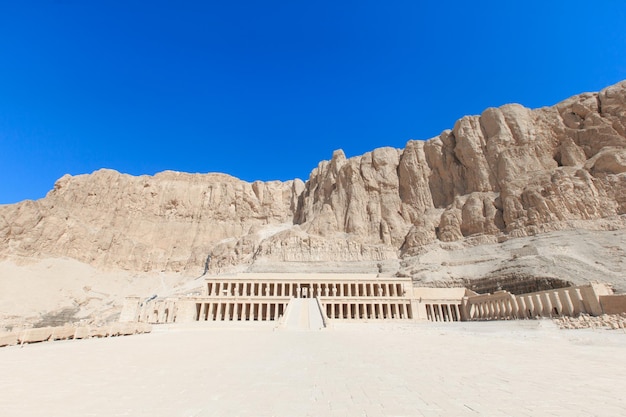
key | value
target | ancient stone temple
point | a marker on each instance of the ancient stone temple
(271, 297)
(315, 300)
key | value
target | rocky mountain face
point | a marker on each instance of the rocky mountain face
(510, 172)
(168, 222)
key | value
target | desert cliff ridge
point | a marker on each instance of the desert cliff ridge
(512, 172)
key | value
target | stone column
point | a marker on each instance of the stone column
(556, 302)
(230, 311)
(506, 308)
(201, 316)
(244, 311)
(503, 314)
(577, 301)
(538, 305)
(501, 310)
(209, 313)
(235, 315)
(547, 304)
(521, 307)
(218, 311)
(511, 305)
(524, 306)
(489, 310)
(227, 312)
(514, 307)
(478, 314)
(566, 302)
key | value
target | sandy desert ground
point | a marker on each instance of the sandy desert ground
(520, 368)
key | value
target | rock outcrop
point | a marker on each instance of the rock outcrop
(509, 172)
(168, 222)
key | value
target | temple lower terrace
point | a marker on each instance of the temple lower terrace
(317, 300)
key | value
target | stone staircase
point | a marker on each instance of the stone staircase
(303, 314)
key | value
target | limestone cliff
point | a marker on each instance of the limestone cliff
(167, 222)
(509, 172)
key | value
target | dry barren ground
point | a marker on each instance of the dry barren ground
(524, 368)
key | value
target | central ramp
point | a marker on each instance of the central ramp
(303, 314)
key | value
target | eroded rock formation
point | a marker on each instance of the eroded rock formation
(509, 172)
(167, 222)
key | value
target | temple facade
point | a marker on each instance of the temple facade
(358, 297)
(267, 297)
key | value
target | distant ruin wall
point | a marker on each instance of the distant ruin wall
(69, 332)
(613, 304)
(571, 301)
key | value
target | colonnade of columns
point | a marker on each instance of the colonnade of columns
(161, 311)
(239, 311)
(368, 310)
(313, 289)
(503, 305)
(443, 312)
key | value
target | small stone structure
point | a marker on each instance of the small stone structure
(363, 297)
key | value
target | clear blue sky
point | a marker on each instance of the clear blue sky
(267, 89)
